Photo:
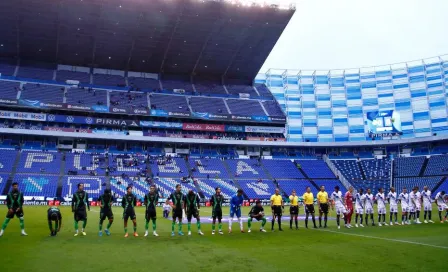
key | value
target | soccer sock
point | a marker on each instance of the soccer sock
(5, 223)
(429, 215)
(56, 226)
(338, 218)
(213, 227)
(198, 223)
(371, 217)
(402, 217)
(109, 224)
(230, 223)
(440, 215)
(314, 220)
(125, 230)
(100, 225)
(418, 215)
(326, 219)
(84, 224)
(76, 225)
(306, 221)
(263, 222)
(220, 226)
(297, 222)
(172, 225)
(396, 217)
(135, 227)
(290, 223)
(249, 223)
(189, 226)
(154, 224)
(425, 214)
(241, 223)
(180, 225)
(320, 221)
(367, 219)
(356, 218)
(279, 220)
(390, 217)
(345, 219)
(22, 223)
(50, 225)
(272, 223)
(379, 218)
(146, 225)
(360, 219)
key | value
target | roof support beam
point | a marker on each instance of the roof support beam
(179, 16)
(95, 35)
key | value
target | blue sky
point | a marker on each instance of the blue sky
(336, 34)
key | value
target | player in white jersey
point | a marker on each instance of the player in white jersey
(427, 205)
(413, 202)
(418, 205)
(381, 201)
(393, 207)
(404, 200)
(359, 207)
(368, 206)
(338, 202)
(441, 204)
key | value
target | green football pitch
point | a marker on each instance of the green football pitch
(393, 248)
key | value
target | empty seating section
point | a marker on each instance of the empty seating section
(263, 90)
(108, 80)
(39, 162)
(7, 159)
(35, 73)
(128, 164)
(330, 184)
(169, 184)
(63, 75)
(7, 69)
(144, 83)
(228, 189)
(211, 105)
(411, 182)
(282, 169)
(85, 163)
(245, 168)
(176, 167)
(299, 185)
(37, 185)
(442, 187)
(139, 186)
(437, 165)
(408, 167)
(43, 93)
(9, 89)
(86, 96)
(169, 103)
(376, 169)
(237, 89)
(213, 168)
(245, 107)
(349, 168)
(209, 87)
(130, 100)
(92, 185)
(273, 108)
(3, 180)
(174, 84)
(257, 190)
(316, 168)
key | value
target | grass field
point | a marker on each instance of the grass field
(411, 248)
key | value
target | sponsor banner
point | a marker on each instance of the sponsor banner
(179, 114)
(256, 129)
(197, 136)
(155, 124)
(228, 138)
(210, 116)
(241, 118)
(23, 116)
(203, 127)
(277, 119)
(266, 139)
(140, 111)
(158, 113)
(79, 107)
(9, 101)
(260, 118)
(232, 128)
(179, 91)
(80, 130)
(109, 132)
(118, 110)
(41, 105)
(100, 108)
(90, 120)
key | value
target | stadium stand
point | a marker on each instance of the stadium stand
(411, 182)
(63, 76)
(273, 108)
(315, 168)
(7, 69)
(228, 189)
(263, 90)
(208, 87)
(299, 185)
(86, 96)
(176, 167)
(85, 164)
(282, 169)
(255, 189)
(3, 180)
(212, 168)
(245, 168)
(437, 165)
(349, 168)
(93, 185)
(144, 83)
(131, 100)
(7, 159)
(37, 185)
(108, 80)
(169, 103)
(42, 93)
(245, 107)
(39, 162)
(210, 105)
(177, 84)
(9, 89)
(408, 167)
(35, 73)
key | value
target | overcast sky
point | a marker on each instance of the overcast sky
(335, 34)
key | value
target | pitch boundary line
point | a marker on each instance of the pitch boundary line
(385, 239)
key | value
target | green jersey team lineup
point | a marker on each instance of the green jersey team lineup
(189, 206)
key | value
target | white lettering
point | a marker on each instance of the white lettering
(244, 167)
(37, 157)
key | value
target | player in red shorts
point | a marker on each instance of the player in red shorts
(348, 198)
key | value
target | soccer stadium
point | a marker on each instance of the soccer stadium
(146, 133)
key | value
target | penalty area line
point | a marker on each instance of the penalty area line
(385, 239)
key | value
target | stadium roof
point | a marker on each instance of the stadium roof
(189, 37)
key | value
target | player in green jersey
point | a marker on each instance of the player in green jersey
(80, 202)
(216, 203)
(54, 214)
(128, 203)
(192, 207)
(106, 201)
(257, 212)
(14, 201)
(151, 200)
(177, 199)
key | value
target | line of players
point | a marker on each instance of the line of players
(190, 203)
